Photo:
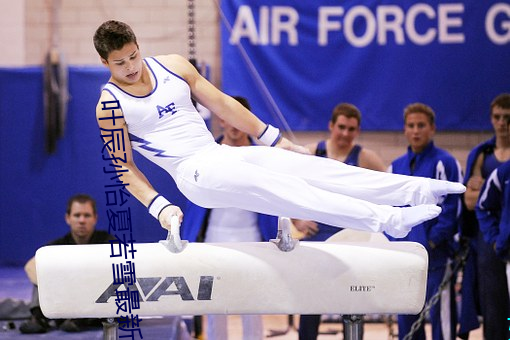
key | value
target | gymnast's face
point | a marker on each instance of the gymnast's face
(344, 131)
(419, 131)
(500, 118)
(125, 64)
(82, 221)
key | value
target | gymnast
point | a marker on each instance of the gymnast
(149, 102)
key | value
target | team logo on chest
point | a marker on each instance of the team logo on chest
(165, 110)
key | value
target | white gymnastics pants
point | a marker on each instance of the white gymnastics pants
(278, 182)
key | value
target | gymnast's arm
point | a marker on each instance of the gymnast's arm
(474, 184)
(224, 106)
(122, 159)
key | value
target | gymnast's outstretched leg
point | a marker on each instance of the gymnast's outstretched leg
(228, 182)
(331, 175)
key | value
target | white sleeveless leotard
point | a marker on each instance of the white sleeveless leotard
(164, 126)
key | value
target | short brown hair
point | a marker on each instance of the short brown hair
(81, 198)
(112, 35)
(420, 108)
(348, 110)
(503, 101)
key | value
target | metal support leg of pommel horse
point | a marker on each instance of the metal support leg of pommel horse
(110, 329)
(353, 327)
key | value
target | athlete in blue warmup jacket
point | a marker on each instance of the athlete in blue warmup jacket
(493, 211)
(484, 276)
(469, 310)
(424, 159)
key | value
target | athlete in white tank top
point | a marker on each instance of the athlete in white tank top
(164, 126)
(156, 111)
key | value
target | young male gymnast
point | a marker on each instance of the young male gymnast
(149, 102)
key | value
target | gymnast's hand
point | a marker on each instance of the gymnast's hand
(166, 215)
(475, 183)
(308, 228)
(286, 144)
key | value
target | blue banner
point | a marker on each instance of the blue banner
(295, 60)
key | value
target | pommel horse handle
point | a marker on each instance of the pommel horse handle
(284, 240)
(173, 240)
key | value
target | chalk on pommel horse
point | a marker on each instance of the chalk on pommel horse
(350, 276)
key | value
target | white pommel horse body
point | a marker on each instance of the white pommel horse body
(352, 277)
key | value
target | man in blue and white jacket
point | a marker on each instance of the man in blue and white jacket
(424, 159)
(493, 211)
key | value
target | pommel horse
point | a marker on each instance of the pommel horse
(352, 276)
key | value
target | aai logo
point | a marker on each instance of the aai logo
(153, 288)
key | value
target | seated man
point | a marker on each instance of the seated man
(81, 216)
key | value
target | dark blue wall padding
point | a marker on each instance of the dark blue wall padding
(35, 185)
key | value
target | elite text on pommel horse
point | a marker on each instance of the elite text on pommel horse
(349, 276)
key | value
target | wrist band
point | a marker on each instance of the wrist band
(157, 205)
(270, 136)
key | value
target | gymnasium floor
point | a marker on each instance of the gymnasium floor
(15, 285)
